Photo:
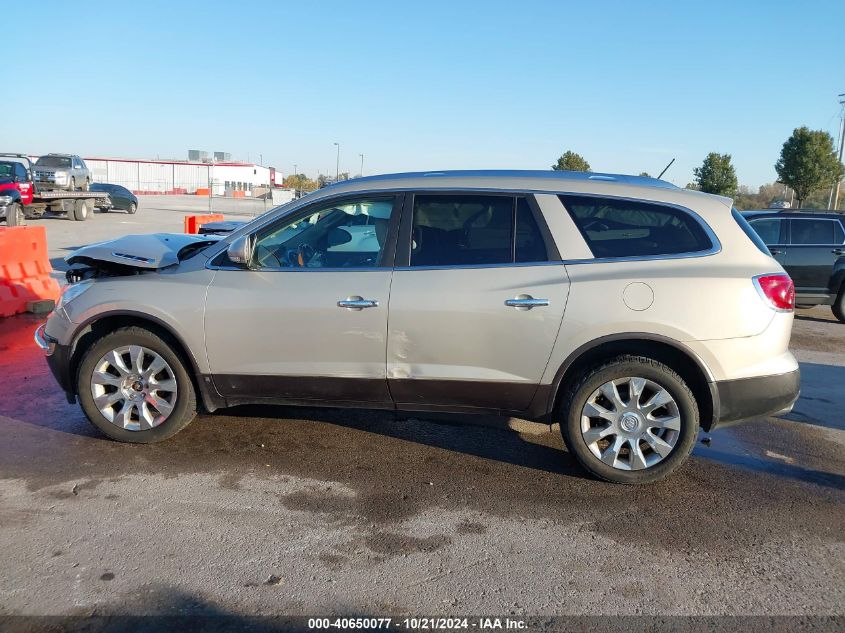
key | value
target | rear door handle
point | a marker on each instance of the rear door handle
(357, 303)
(525, 302)
(776, 251)
(838, 251)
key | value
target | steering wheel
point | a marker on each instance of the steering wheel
(301, 256)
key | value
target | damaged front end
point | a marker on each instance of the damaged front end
(134, 255)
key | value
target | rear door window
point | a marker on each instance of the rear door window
(529, 245)
(475, 230)
(815, 231)
(626, 228)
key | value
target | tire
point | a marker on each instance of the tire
(160, 424)
(80, 210)
(649, 465)
(72, 184)
(838, 307)
(14, 215)
(86, 185)
(132, 208)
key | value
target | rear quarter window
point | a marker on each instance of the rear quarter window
(627, 228)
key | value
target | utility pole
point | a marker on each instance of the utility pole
(337, 164)
(835, 190)
(295, 181)
(362, 164)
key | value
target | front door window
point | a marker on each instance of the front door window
(346, 234)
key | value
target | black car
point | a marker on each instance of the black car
(121, 198)
(810, 245)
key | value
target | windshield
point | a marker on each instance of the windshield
(53, 161)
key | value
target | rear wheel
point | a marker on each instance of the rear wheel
(86, 185)
(631, 420)
(134, 387)
(838, 307)
(81, 210)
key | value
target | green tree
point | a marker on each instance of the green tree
(808, 162)
(716, 175)
(570, 161)
(645, 173)
(299, 182)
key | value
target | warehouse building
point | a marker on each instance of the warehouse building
(184, 177)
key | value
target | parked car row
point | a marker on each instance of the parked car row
(810, 245)
(628, 310)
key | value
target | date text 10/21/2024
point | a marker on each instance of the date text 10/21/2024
(422, 623)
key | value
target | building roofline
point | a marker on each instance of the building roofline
(174, 162)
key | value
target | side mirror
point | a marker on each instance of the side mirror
(240, 251)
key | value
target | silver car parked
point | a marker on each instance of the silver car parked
(61, 171)
(628, 310)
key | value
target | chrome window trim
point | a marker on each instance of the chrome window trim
(273, 216)
(474, 266)
(302, 270)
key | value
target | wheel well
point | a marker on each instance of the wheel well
(109, 324)
(680, 361)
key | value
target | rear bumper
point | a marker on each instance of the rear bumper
(756, 397)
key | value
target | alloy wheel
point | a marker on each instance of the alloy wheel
(631, 423)
(134, 388)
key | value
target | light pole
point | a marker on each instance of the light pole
(295, 181)
(337, 164)
(835, 191)
(362, 164)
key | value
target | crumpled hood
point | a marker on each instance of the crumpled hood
(157, 250)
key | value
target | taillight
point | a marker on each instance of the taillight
(777, 290)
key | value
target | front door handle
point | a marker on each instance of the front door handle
(525, 302)
(838, 251)
(357, 303)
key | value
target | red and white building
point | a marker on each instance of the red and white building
(182, 177)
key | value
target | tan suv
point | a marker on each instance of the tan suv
(628, 310)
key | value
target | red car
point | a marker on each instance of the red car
(16, 188)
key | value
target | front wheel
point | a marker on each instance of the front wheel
(631, 420)
(135, 388)
(838, 307)
(132, 208)
(15, 215)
